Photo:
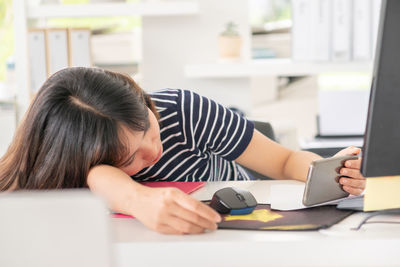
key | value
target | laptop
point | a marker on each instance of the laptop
(54, 228)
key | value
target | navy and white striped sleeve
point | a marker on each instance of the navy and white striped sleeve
(214, 127)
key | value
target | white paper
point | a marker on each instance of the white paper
(290, 197)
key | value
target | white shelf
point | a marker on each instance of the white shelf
(154, 8)
(271, 67)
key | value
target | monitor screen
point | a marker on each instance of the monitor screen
(381, 150)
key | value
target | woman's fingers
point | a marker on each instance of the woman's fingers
(354, 186)
(193, 218)
(186, 214)
(171, 211)
(353, 163)
(183, 226)
(197, 207)
(167, 229)
(348, 151)
(352, 182)
(352, 173)
(352, 190)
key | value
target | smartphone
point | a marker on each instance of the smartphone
(322, 183)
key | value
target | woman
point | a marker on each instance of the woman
(93, 128)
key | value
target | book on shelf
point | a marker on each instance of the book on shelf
(301, 34)
(321, 35)
(57, 50)
(51, 50)
(79, 50)
(37, 58)
(334, 30)
(362, 30)
(341, 30)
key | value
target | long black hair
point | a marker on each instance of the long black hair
(73, 124)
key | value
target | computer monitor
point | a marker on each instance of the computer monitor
(381, 150)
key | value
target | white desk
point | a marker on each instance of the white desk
(373, 245)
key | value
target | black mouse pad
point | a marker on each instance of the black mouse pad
(263, 218)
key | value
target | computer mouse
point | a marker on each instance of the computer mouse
(234, 201)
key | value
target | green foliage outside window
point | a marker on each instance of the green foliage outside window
(281, 10)
(263, 11)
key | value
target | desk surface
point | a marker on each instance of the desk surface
(373, 245)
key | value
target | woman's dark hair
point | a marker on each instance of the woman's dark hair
(74, 123)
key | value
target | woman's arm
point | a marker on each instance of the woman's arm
(273, 160)
(165, 210)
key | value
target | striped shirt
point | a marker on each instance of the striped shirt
(200, 139)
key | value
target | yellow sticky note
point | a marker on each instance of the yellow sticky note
(382, 193)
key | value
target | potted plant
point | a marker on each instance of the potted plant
(230, 42)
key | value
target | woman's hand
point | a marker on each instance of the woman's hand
(165, 210)
(352, 180)
(171, 211)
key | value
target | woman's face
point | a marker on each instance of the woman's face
(145, 147)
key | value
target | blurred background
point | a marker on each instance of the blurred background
(302, 65)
